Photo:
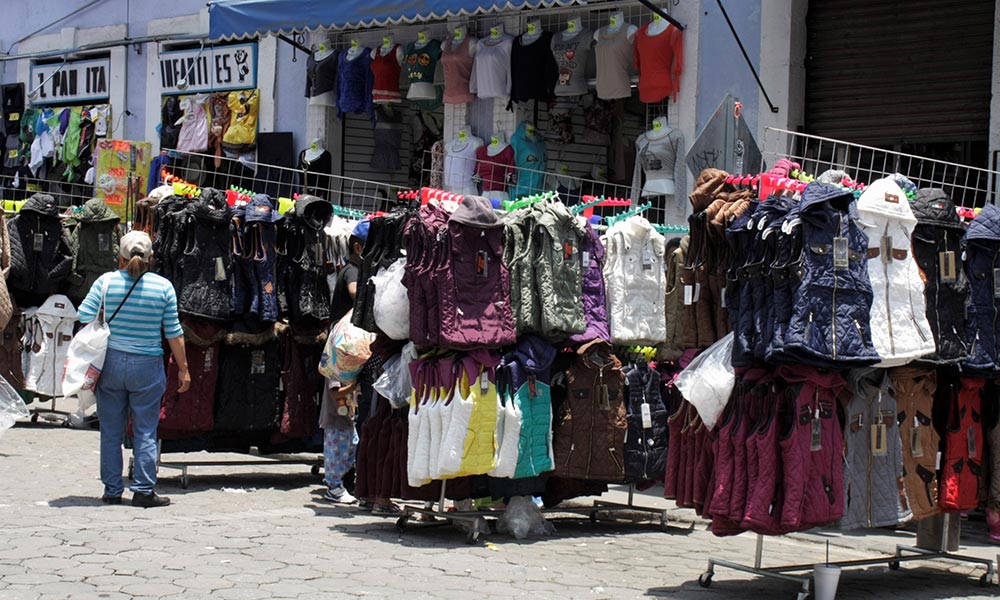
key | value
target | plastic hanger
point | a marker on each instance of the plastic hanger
(428, 193)
(629, 213)
(340, 211)
(667, 229)
(529, 201)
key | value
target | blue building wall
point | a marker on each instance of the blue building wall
(20, 18)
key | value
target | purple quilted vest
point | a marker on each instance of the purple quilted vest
(595, 309)
(812, 478)
(473, 283)
(423, 244)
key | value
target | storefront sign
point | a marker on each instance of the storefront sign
(85, 80)
(210, 70)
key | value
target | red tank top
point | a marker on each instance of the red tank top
(387, 70)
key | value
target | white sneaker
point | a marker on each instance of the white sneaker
(339, 495)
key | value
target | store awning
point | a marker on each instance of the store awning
(238, 19)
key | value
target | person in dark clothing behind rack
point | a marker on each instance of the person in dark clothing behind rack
(340, 437)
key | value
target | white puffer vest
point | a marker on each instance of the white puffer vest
(636, 282)
(899, 324)
(51, 331)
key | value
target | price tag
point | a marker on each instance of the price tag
(614, 21)
(585, 259)
(697, 292)
(841, 258)
(603, 400)
(532, 28)
(257, 365)
(723, 297)
(220, 269)
(494, 32)
(530, 129)
(937, 461)
(569, 249)
(564, 169)
(422, 37)
(103, 242)
(947, 266)
(484, 383)
(571, 26)
(462, 136)
(322, 48)
(972, 443)
(482, 263)
(14, 117)
(38, 242)
(657, 125)
(354, 44)
(688, 295)
(386, 42)
(458, 35)
(209, 355)
(996, 283)
(647, 417)
(657, 18)
(880, 446)
(532, 385)
(647, 257)
(816, 437)
(12, 153)
(494, 141)
(886, 250)
(916, 448)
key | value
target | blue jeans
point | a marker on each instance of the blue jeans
(130, 384)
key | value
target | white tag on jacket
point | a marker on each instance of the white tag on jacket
(647, 257)
(484, 383)
(585, 259)
(996, 283)
(220, 269)
(724, 298)
(688, 295)
(647, 417)
(697, 292)
(841, 258)
(39, 242)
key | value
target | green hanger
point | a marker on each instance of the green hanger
(340, 211)
(665, 229)
(528, 201)
(629, 213)
(579, 208)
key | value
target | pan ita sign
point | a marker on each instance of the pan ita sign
(85, 80)
(217, 69)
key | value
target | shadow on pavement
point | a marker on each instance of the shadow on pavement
(75, 501)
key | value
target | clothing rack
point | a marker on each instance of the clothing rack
(967, 186)
(260, 460)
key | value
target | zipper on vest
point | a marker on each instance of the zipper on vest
(836, 282)
(888, 308)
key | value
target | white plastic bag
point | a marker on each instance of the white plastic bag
(85, 359)
(709, 380)
(395, 384)
(12, 406)
(523, 518)
(391, 304)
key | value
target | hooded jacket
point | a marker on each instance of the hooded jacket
(590, 427)
(192, 413)
(422, 238)
(519, 258)
(873, 463)
(41, 257)
(981, 246)
(900, 330)
(673, 302)
(962, 463)
(558, 237)
(526, 373)
(829, 325)
(937, 247)
(51, 331)
(473, 281)
(254, 290)
(595, 309)
(249, 393)
(94, 242)
(636, 282)
(303, 292)
(207, 259)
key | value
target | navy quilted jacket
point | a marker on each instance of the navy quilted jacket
(982, 259)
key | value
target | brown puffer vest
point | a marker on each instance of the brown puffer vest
(719, 257)
(590, 425)
(674, 303)
(915, 389)
(700, 304)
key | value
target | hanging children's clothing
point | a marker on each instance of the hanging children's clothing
(614, 52)
(52, 331)
(386, 71)
(898, 319)
(241, 136)
(572, 54)
(962, 463)
(659, 60)
(534, 69)
(914, 391)
(557, 238)
(95, 244)
(193, 412)
(529, 157)
(355, 81)
(594, 295)
(491, 69)
(193, 136)
(636, 282)
(646, 440)
(421, 62)
(457, 61)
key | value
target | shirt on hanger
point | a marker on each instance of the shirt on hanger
(460, 165)
(659, 59)
(387, 70)
(321, 75)
(572, 56)
(420, 65)
(614, 63)
(457, 63)
(494, 170)
(491, 69)
(529, 158)
(534, 69)
(661, 159)
(194, 130)
(354, 84)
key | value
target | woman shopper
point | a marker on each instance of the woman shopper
(141, 309)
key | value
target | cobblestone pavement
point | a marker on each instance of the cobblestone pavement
(252, 532)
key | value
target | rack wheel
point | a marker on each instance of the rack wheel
(315, 470)
(705, 579)
(402, 522)
(472, 537)
(184, 481)
(34, 417)
(893, 565)
(593, 517)
(985, 580)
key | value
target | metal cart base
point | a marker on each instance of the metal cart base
(784, 572)
(315, 463)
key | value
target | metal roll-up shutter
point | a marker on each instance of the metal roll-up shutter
(899, 71)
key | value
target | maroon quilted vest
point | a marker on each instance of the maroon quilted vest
(473, 282)
(422, 237)
(812, 475)
(675, 423)
(766, 496)
(193, 412)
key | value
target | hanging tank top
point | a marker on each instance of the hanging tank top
(614, 63)
(457, 70)
(387, 70)
(354, 83)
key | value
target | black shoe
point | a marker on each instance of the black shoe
(111, 499)
(149, 500)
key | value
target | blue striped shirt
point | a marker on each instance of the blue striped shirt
(149, 314)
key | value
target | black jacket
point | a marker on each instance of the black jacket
(41, 257)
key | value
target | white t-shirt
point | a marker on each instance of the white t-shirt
(460, 165)
(491, 68)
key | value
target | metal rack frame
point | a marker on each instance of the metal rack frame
(968, 187)
(257, 460)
